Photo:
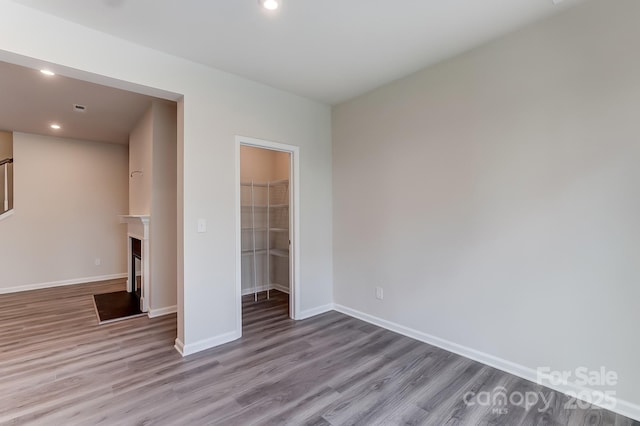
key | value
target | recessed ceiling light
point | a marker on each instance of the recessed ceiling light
(47, 72)
(55, 126)
(270, 4)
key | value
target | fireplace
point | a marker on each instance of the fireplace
(138, 258)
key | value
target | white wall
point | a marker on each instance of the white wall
(216, 107)
(6, 145)
(282, 165)
(68, 194)
(141, 165)
(495, 197)
(263, 165)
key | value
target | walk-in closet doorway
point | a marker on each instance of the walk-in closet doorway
(266, 267)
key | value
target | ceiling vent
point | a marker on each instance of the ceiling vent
(79, 108)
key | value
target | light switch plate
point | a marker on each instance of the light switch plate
(379, 293)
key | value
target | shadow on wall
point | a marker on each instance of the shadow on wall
(6, 171)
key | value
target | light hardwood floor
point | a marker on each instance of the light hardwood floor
(58, 367)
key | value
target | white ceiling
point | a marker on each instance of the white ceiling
(31, 102)
(328, 50)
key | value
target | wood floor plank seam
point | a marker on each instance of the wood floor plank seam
(58, 366)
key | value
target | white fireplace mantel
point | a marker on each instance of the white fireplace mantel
(137, 223)
(138, 228)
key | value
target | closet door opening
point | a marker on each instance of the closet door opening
(266, 237)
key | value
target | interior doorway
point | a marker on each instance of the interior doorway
(266, 225)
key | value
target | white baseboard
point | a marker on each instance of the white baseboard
(315, 311)
(248, 291)
(52, 284)
(192, 348)
(622, 407)
(627, 409)
(167, 310)
(6, 214)
(280, 287)
(179, 346)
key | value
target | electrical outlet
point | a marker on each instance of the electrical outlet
(379, 293)
(98, 261)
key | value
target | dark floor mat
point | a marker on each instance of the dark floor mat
(116, 306)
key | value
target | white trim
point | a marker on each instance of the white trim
(294, 225)
(280, 287)
(179, 346)
(622, 407)
(138, 227)
(238, 226)
(261, 288)
(167, 310)
(192, 348)
(316, 311)
(627, 409)
(74, 281)
(6, 214)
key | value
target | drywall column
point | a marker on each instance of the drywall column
(163, 209)
(153, 186)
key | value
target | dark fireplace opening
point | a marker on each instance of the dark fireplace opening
(136, 266)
